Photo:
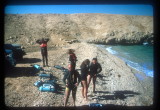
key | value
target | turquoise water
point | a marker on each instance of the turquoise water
(139, 57)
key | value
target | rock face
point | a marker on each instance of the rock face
(92, 28)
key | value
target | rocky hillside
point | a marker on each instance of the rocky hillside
(68, 28)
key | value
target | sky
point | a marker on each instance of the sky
(145, 10)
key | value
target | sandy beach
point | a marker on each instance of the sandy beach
(118, 84)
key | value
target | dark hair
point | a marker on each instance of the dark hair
(85, 62)
(70, 51)
(94, 59)
(42, 39)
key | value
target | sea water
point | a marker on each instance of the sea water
(139, 57)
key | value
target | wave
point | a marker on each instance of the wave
(130, 63)
(138, 67)
(109, 49)
(145, 43)
(139, 76)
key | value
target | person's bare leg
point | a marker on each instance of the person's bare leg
(85, 89)
(67, 93)
(74, 96)
(82, 90)
(88, 80)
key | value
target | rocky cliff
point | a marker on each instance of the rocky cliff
(68, 28)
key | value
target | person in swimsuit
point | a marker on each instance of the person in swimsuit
(70, 80)
(44, 52)
(95, 68)
(84, 72)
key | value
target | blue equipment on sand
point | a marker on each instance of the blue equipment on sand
(58, 67)
(46, 76)
(46, 82)
(47, 88)
(95, 105)
(38, 67)
(38, 83)
(61, 68)
(50, 82)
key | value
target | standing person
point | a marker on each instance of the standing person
(70, 80)
(43, 45)
(95, 68)
(84, 72)
(72, 58)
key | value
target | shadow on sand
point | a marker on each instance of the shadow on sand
(29, 60)
(114, 107)
(86, 107)
(115, 95)
(20, 72)
(30, 71)
(102, 77)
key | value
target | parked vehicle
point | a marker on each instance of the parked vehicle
(18, 51)
(9, 59)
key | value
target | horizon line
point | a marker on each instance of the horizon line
(71, 14)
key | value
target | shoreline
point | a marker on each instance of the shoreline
(113, 52)
(146, 82)
(141, 76)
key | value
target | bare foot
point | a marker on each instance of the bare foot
(83, 99)
(86, 99)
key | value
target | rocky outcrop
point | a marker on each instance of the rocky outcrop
(92, 28)
(124, 39)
